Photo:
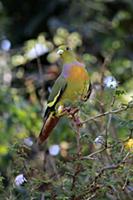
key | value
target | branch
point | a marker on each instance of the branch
(113, 166)
(91, 188)
(92, 154)
(115, 111)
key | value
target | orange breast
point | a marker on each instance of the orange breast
(78, 74)
(76, 83)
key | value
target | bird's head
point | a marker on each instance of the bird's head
(66, 53)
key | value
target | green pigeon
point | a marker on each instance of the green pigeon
(72, 85)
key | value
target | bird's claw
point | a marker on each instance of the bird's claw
(72, 114)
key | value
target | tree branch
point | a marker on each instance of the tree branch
(115, 111)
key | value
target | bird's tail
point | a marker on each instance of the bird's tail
(48, 126)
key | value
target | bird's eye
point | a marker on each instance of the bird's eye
(67, 48)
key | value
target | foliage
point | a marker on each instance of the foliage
(100, 166)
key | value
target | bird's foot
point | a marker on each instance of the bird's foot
(76, 120)
(72, 113)
(63, 111)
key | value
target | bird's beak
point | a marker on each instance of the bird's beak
(60, 52)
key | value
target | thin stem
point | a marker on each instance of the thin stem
(115, 111)
(78, 143)
(92, 154)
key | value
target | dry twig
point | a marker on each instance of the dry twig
(115, 111)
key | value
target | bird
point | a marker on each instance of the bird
(72, 85)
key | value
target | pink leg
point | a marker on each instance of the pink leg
(72, 113)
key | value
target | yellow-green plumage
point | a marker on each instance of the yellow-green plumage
(77, 82)
(72, 85)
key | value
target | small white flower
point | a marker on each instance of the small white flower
(7, 78)
(5, 45)
(28, 141)
(38, 50)
(110, 82)
(99, 142)
(20, 179)
(54, 150)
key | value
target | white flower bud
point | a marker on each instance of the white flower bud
(28, 142)
(110, 82)
(99, 142)
(54, 150)
(19, 180)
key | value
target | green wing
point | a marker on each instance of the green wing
(56, 93)
(88, 92)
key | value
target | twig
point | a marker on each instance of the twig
(43, 196)
(115, 111)
(52, 162)
(92, 154)
(107, 129)
(109, 121)
(125, 183)
(113, 166)
(91, 197)
(92, 187)
(39, 65)
(107, 60)
(78, 143)
(78, 165)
